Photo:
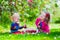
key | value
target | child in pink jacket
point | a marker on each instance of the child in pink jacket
(45, 26)
(42, 23)
(39, 21)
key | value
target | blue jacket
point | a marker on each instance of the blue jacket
(15, 27)
(40, 24)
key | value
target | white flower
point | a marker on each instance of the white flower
(54, 37)
(46, 33)
(33, 33)
(38, 34)
(58, 2)
(13, 3)
(47, 6)
(44, 37)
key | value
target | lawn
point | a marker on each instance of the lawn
(54, 35)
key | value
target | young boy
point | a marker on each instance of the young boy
(15, 24)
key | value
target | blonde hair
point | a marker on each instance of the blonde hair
(42, 15)
(16, 15)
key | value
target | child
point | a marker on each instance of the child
(42, 23)
(15, 24)
(45, 26)
(39, 21)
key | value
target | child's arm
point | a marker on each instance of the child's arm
(38, 27)
(39, 24)
(22, 27)
(13, 27)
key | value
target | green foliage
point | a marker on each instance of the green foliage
(56, 5)
(26, 12)
(21, 7)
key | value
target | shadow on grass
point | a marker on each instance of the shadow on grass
(54, 34)
(57, 21)
(6, 33)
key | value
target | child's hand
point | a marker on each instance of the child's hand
(38, 27)
(14, 27)
(25, 26)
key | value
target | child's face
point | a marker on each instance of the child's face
(42, 16)
(15, 17)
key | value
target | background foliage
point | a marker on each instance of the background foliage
(28, 13)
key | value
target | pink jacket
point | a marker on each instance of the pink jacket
(37, 21)
(45, 27)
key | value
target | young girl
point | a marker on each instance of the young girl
(15, 24)
(45, 26)
(39, 21)
(42, 23)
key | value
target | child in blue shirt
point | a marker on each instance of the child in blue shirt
(15, 25)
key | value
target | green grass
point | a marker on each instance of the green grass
(54, 35)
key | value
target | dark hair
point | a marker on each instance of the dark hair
(47, 17)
